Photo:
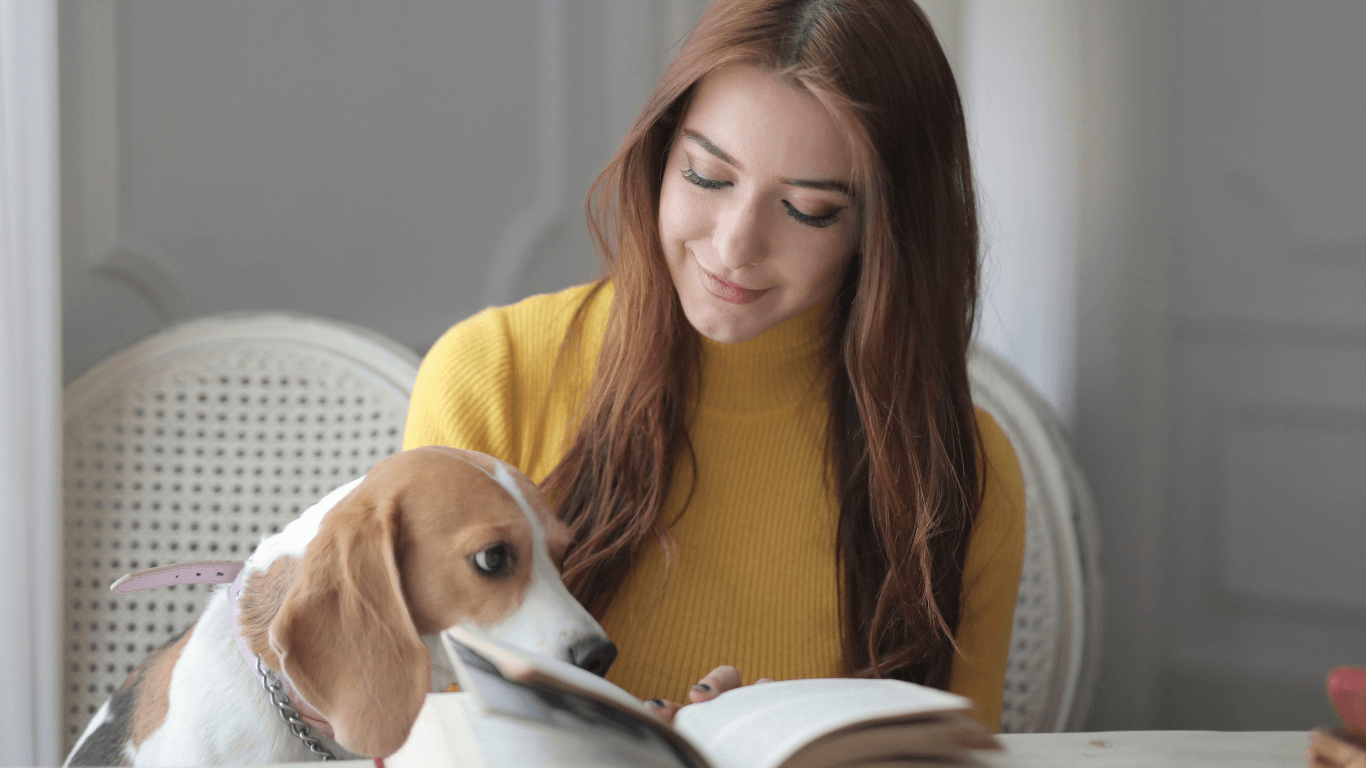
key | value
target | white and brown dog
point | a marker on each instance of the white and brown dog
(344, 607)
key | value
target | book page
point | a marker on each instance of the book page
(454, 730)
(440, 737)
(546, 694)
(761, 726)
(939, 739)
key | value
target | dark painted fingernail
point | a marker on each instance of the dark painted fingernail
(656, 703)
(703, 687)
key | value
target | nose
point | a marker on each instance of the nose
(594, 654)
(739, 236)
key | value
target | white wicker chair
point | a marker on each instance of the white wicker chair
(194, 443)
(1054, 648)
(200, 439)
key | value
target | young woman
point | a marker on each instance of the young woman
(758, 424)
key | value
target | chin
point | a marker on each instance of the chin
(728, 336)
(725, 330)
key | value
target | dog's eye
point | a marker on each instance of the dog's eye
(492, 561)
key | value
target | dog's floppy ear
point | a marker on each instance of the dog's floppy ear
(344, 634)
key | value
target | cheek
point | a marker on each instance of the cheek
(682, 218)
(670, 225)
(817, 266)
(491, 601)
(442, 597)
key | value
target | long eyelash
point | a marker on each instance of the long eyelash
(701, 181)
(819, 222)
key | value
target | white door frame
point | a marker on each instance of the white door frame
(30, 386)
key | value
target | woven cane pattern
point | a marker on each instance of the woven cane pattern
(1054, 644)
(1032, 661)
(199, 459)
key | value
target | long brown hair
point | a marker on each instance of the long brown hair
(902, 430)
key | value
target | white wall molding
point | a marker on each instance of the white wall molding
(93, 37)
(131, 265)
(100, 242)
(549, 208)
(1253, 190)
(592, 79)
(30, 386)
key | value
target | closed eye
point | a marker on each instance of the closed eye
(702, 181)
(812, 221)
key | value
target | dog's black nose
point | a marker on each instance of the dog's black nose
(595, 654)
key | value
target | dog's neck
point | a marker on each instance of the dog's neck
(306, 711)
(234, 574)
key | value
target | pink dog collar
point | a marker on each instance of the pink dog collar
(206, 572)
(228, 572)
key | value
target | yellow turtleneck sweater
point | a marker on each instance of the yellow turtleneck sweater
(753, 579)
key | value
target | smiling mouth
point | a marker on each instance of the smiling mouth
(728, 291)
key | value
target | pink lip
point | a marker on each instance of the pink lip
(728, 291)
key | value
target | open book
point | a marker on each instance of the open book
(518, 708)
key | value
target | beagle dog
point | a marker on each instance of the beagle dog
(341, 612)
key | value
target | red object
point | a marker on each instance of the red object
(1347, 690)
(379, 762)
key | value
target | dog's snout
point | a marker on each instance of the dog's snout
(594, 654)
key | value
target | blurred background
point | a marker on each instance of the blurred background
(1174, 211)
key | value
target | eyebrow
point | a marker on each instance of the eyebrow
(710, 146)
(828, 185)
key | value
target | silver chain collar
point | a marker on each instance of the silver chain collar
(289, 714)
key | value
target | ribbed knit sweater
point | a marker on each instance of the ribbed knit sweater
(752, 580)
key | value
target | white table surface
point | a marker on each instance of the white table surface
(1113, 749)
(1152, 749)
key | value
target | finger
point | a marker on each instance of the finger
(717, 682)
(1328, 749)
(663, 709)
(1317, 760)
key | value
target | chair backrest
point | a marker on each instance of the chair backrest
(193, 444)
(1055, 644)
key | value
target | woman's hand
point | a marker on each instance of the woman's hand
(1328, 750)
(716, 682)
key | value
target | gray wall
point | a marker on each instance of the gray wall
(400, 166)
(1266, 497)
(396, 166)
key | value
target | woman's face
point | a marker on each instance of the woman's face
(756, 212)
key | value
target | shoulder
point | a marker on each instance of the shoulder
(553, 312)
(999, 529)
(473, 382)
(532, 324)
(530, 331)
(1001, 467)
(991, 576)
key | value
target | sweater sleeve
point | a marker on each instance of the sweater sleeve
(489, 383)
(991, 579)
(464, 392)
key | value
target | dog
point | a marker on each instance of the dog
(344, 608)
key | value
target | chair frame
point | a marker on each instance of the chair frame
(1058, 497)
(371, 363)
(395, 363)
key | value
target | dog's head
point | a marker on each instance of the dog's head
(430, 539)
